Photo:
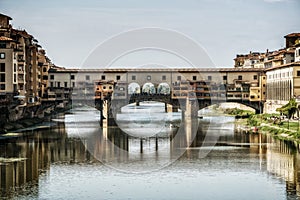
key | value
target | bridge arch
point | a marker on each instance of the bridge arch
(134, 88)
(163, 88)
(149, 88)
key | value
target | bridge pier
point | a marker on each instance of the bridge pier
(189, 109)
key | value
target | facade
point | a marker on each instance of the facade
(21, 60)
(283, 83)
(220, 84)
(23, 73)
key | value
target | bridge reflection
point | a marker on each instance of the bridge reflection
(25, 158)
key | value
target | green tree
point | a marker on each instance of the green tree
(288, 109)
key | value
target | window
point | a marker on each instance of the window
(209, 78)
(2, 67)
(44, 69)
(103, 77)
(2, 77)
(51, 84)
(2, 86)
(164, 78)
(110, 87)
(133, 78)
(178, 78)
(148, 77)
(15, 77)
(104, 87)
(224, 78)
(51, 77)
(240, 77)
(298, 73)
(87, 77)
(2, 55)
(72, 77)
(66, 84)
(73, 84)
(15, 68)
(118, 77)
(254, 77)
(2, 45)
(58, 84)
(194, 78)
(264, 85)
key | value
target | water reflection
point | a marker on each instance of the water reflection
(24, 160)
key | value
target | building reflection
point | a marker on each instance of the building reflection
(283, 161)
(25, 158)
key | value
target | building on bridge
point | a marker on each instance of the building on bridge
(218, 85)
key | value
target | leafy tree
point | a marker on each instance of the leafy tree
(289, 109)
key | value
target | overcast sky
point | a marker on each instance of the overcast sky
(70, 29)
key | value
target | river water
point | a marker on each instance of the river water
(149, 155)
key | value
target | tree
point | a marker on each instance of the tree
(289, 109)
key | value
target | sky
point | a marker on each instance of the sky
(70, 30)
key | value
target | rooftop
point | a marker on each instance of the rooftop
(2, 15)
(293, 35)
(3, 38)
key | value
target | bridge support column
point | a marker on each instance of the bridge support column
(113, 108)
(190, 109)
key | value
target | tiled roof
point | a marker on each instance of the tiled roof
(3, 38)
(293, 35)
(1, 15)
(172, 69)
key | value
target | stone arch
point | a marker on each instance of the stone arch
(149, 88)
(134, 88)
(163, 88)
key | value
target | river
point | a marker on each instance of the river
(149, 155)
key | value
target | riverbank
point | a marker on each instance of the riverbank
(281, 128)
(25, 123)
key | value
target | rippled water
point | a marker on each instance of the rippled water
(76, 159)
